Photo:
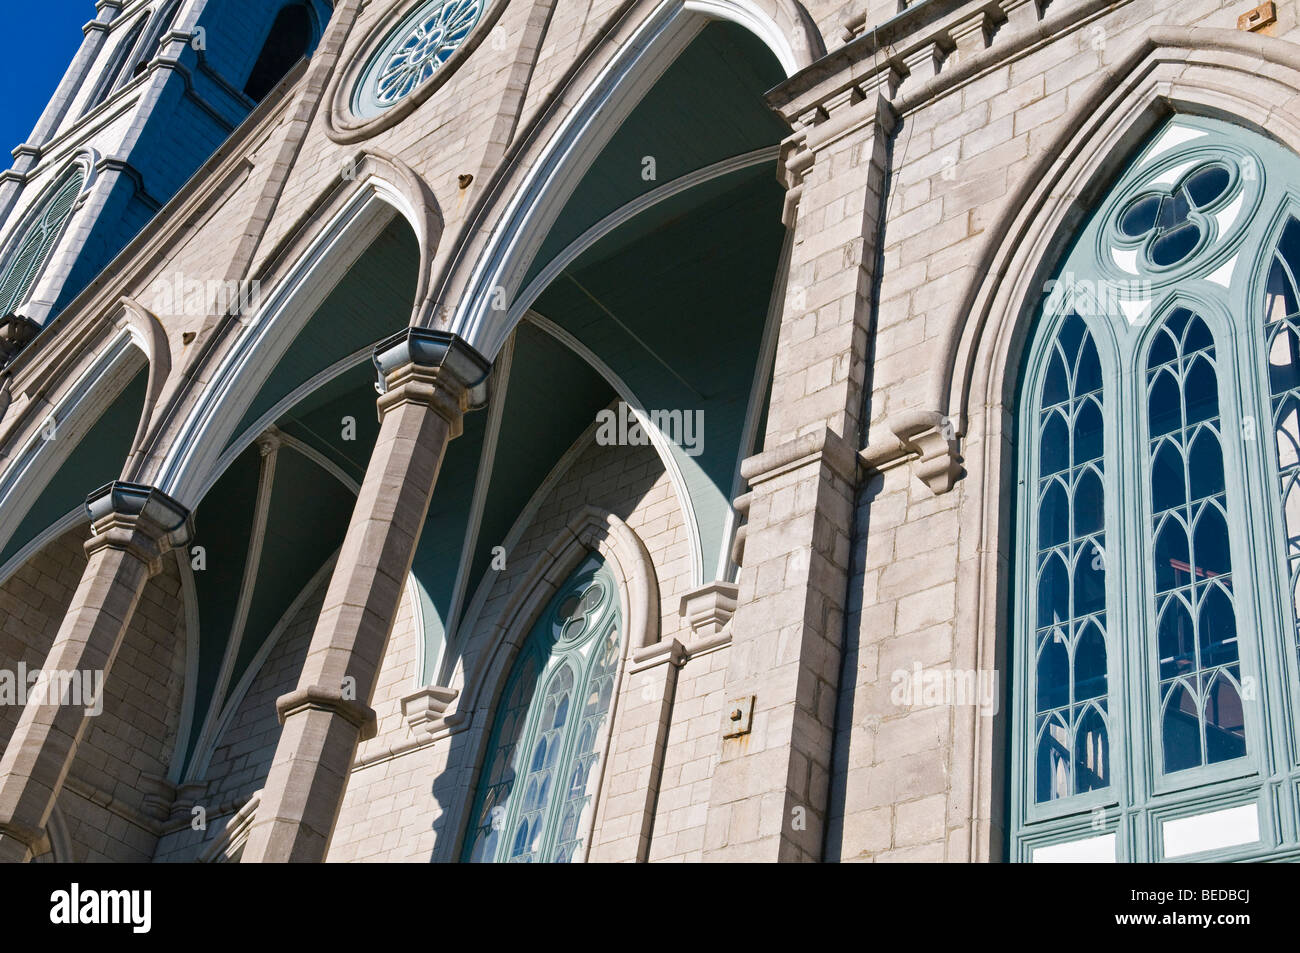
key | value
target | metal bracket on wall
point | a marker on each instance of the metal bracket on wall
(739, 717)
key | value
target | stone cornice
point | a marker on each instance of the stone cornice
(125, 168)
(910, 58)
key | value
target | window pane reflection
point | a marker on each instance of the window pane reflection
(1195, 619)
(1071, 736)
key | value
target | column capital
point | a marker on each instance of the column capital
(435, 368)
(140, 519)
(332, 700)
(26, 841)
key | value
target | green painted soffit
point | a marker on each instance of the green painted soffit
(371, 302)
(437, 556)
(97, 460)
(223, 524)
(318, 420)
(308, 516)
(552, 397)
(307, 519)
(694, 285)
(681, 128)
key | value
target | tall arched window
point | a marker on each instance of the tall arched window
(35, 241)
(1158, 516)
(118, 65)
(288, 42)
(537, 789)
(147, 48)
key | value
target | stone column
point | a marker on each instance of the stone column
(132, 528)
(429, 380)
(769, 794)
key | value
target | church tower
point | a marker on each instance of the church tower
(152, 93)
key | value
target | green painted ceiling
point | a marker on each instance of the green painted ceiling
(372, 301)
(675, 302)
(98, 459)
(343, 408)
(681, 129)
(437, 556)
(552, 397)
(223, 525)
(303, 529)
(307, 517)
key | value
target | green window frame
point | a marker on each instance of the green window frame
(31, 251)
(537, 789)
(1157, 526)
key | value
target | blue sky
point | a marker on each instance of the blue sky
(37, 43)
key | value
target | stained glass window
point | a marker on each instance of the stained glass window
(537, 788)
(1281, 341)
(1195, 618)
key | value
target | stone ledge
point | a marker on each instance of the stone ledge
(825, 445)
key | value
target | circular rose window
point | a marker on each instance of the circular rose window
(414, 52)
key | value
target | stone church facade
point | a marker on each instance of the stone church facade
(655, 430)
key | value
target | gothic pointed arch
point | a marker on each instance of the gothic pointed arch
(517, 209)
(601, 561)
(34, 242)
(375, 201)
(69, 442)
(592, 531)
(118, 69)
(1172, 71)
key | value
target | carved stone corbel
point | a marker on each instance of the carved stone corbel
(709, 608)
(795, 161)
(933, 438)
(741, 506)
(425, 710)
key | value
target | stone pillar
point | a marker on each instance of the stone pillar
(429, 380)
(645, 717)
(769, 793)
(132, 528)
